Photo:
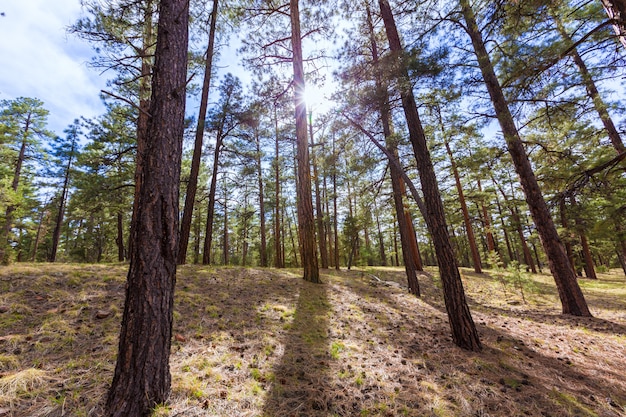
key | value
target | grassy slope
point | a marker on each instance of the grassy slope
(253, 342)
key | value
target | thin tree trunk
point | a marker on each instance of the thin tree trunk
(56, 234)
(40, 231)
(381, 240)
(208, 235)
(279, 260)
(120, 237)
(565, 225)
(491, 243)
(572, 299)
(306, 220)
(142, 377)
(226, 242)
(192, 186)
(263, 254)
(321, 234)
(335, 217)
(459, 188)
(462, 325)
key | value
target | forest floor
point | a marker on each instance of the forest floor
(262, 342)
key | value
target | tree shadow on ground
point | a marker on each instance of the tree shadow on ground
(300, 386)
(511, 376)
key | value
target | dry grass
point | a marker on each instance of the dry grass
(261, 342)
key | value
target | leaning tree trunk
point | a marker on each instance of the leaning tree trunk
(408, 240)
(306, 220)
(464, 331)
(192, 186)
(142, 377)
(572, 299)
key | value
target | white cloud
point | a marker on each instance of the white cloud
(39, 59)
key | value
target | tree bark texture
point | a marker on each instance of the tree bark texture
(306, 220)
(142, 377)
(464, 333)
(572, 299)
(192, 186)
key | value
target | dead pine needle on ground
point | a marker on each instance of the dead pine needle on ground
(263, 342)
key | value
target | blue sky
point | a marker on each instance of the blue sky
(40, 59)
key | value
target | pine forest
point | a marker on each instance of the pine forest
(323, 208)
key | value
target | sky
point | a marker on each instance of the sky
(39, 59)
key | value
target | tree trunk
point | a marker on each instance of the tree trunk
(466, 218)
(408, 242)
(335, 216)
(491, 242)
(306, 220)
(142, 378)
(565, 225)
(41, 230)
(381, 240)
(120, 237)
(263, 254)
(572, 299)
(56, 234)
(321, 233)
(192, 186)
(208, 235)
(279, 260)
(462, 325)
(226, 243)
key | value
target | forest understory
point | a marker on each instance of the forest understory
(263, 342)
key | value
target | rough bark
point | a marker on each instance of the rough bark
(572, 299)
(192, 186)
(464, 333)
(142, 377)
(306, 220)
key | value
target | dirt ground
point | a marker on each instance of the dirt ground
(262, 342)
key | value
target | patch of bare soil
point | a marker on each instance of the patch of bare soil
(262, 342)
